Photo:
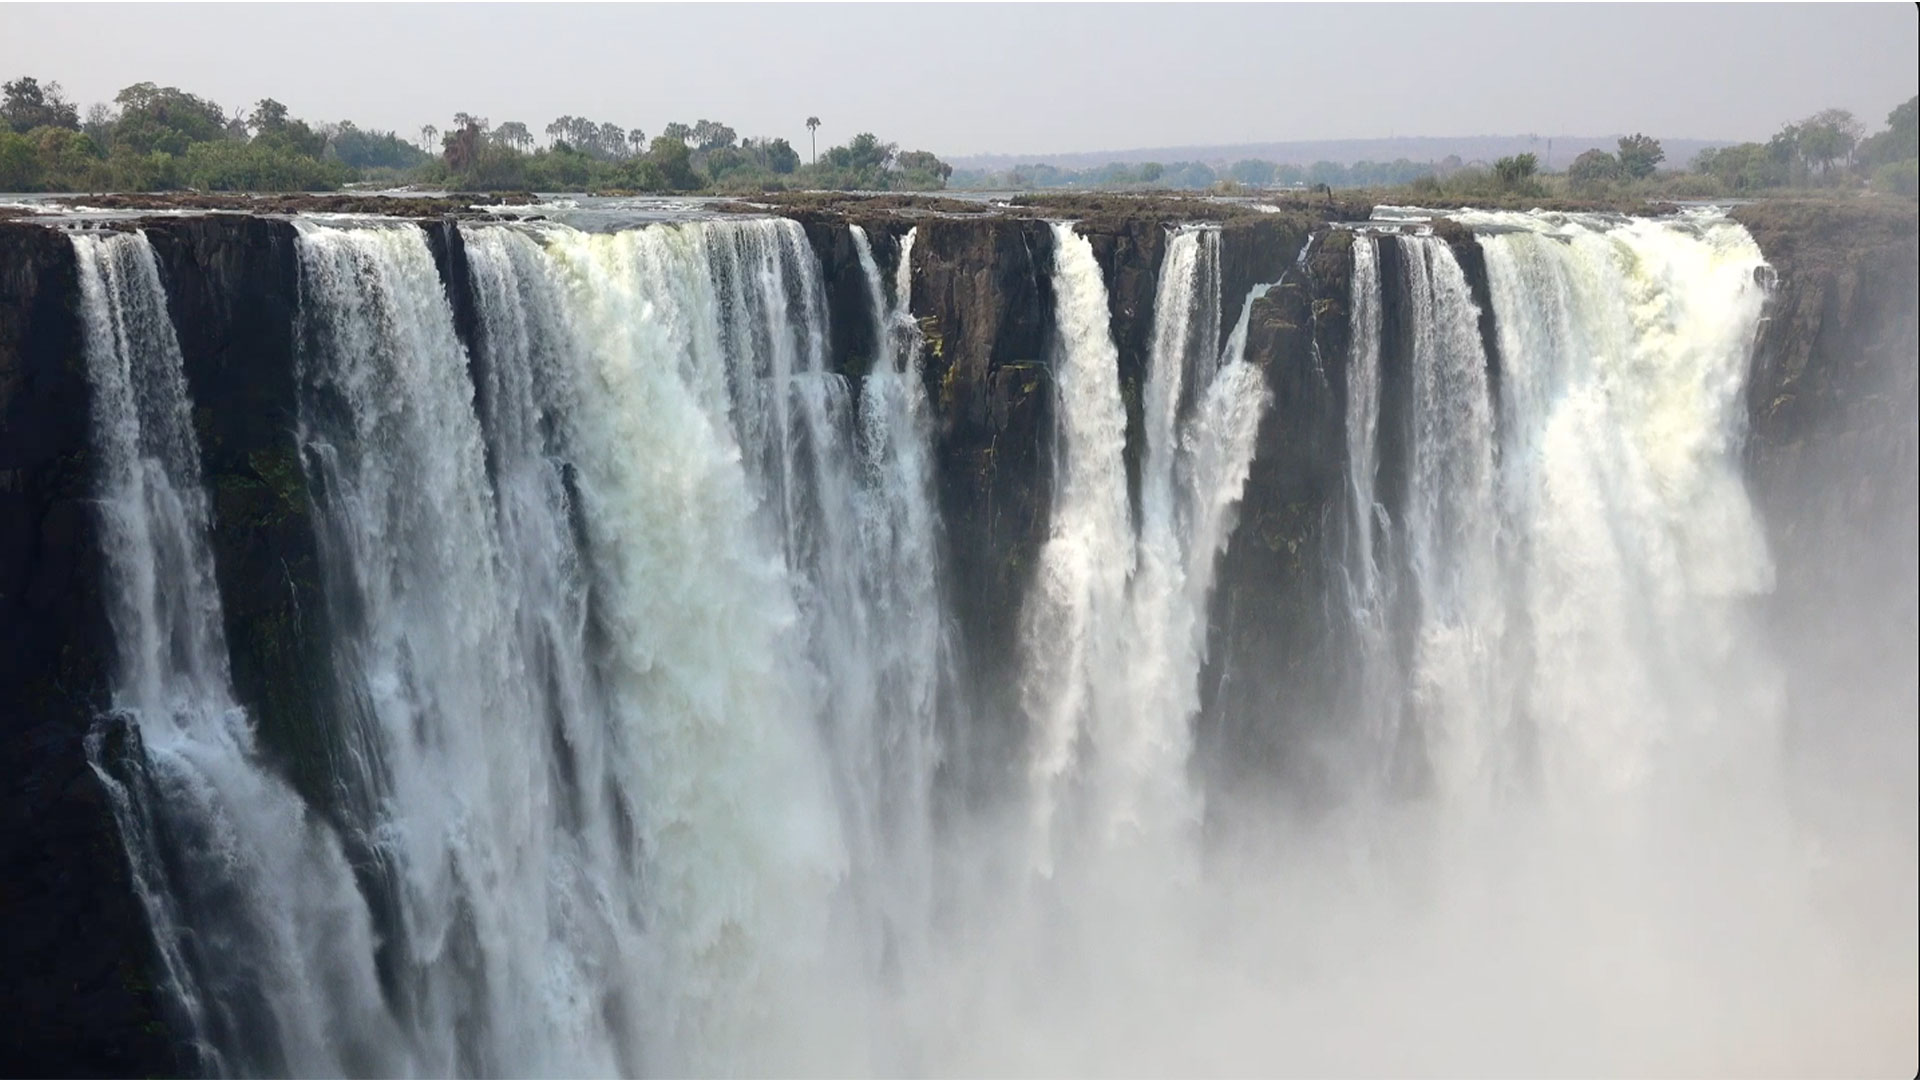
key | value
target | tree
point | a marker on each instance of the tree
(612, 140)
(427, 134)
(863, 153)
(515, 134)
(1516, 170)
(460, 148)
(1253, 173)
(28, 105)
(274, 130)
(672, 158)
(1593, 168)
(1639, 154)
(165, 119)
(813, 125)
(637, 140)
(678, 131)
(1901, 140)
(357, 149)
(1828, 136)
(924, 161)
(921, 170)
(19, 163)
(557, 130)
(99, 122)
(268, 115)
(712, 135)
(780, 156)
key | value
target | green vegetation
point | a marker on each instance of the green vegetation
(156, 138)
(1195, 175)
(159, 138)
(1824, 151)
(1516, 173)
(705, 156)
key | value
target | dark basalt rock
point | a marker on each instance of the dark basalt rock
(1276, 627)
(233, 291)
(1130, 252)
(852, 344)
(983, 294)
(76, 980)
(1831, 454)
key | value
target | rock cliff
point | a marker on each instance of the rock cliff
(1831, 451)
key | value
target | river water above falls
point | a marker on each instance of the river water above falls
(648, 701)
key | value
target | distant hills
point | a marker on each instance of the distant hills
(1469, 148)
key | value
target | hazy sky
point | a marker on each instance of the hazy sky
(961, 79)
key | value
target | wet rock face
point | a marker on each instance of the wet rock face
(1833, 379)
(1831, 454)
(853, 346)
(75, 983)
(1272, 676)
(233, 291)
(983, 295)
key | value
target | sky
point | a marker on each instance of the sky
(1016, 79)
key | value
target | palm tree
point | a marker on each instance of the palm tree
(813, 124)
(427, 132)
(639, 140)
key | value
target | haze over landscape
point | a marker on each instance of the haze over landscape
(1008, 80)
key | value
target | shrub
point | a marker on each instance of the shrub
(1899, 177)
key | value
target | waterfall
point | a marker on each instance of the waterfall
(590, 750)
(1451, 527)
(642, 656)
(1625, 350)
(260, 933)
(1115, 629)
(1368, 600)
(437, 688)
(898, 554)
(1363, 414)
(1545, 555)
(1079, 587)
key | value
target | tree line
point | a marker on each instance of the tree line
(1826, 150)
(154, 138)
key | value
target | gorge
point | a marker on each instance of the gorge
(886, 637)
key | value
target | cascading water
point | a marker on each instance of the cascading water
(1115, 633)
(1369, 599)
(899, 570)
(1363, 417)
(1451, 528)
(454, 793)
(641, 655)
(258, 929)
(1626, 358)
(1079, 588)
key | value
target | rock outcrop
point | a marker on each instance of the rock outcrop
(1831, 453)
(76, 979)
(233, 290)
(1275, 624)
(983, 294)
